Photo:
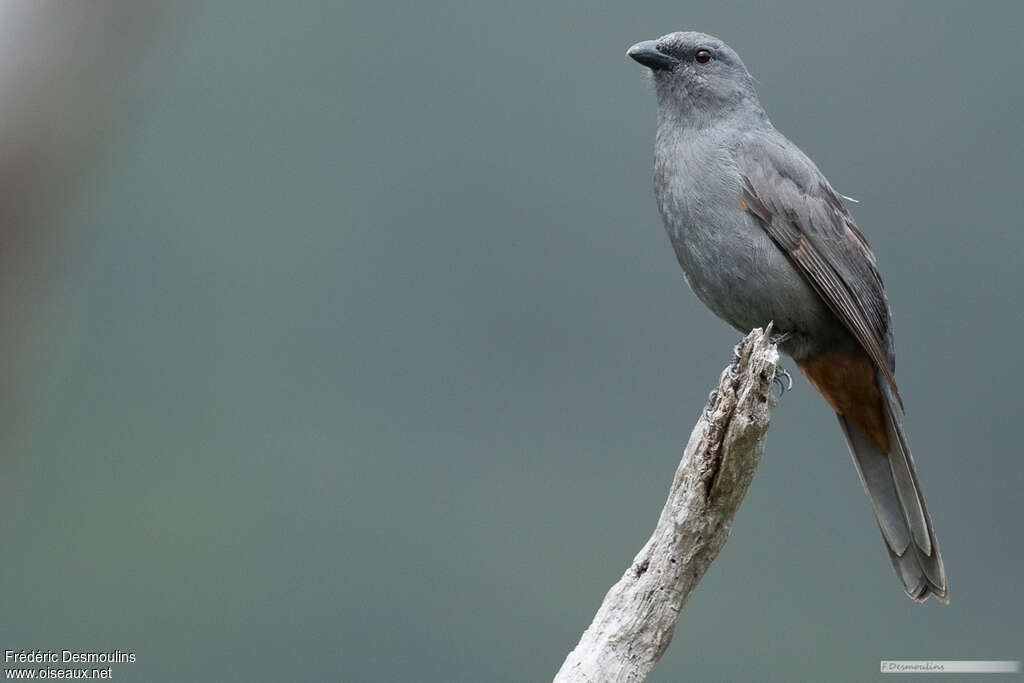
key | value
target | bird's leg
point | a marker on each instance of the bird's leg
(780, 372)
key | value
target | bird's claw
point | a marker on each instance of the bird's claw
(779, 374)
(710, 404)
(735, 360)
(736, 352)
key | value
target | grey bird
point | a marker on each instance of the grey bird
(762, 236)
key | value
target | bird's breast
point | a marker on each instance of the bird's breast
(729, 260)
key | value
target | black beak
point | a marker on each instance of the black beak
(648, 54)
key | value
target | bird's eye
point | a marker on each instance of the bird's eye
(702, 56)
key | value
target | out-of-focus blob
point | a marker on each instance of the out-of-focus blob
(66, 74)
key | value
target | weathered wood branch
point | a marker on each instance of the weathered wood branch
(635, 623)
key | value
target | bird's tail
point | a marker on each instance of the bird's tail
(891, 483)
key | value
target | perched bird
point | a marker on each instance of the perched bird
(762, 236)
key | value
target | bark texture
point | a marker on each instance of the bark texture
(635, 623)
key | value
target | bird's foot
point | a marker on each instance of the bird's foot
(736, 352)
(780, 374)
(735, 362)
(780, 338)
(710, 404)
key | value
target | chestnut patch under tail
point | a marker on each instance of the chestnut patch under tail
(869, 414)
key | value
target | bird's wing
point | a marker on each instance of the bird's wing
(806, 219)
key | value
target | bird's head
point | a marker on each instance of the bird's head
(696, 74)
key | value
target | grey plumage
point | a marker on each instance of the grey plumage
(762, 236)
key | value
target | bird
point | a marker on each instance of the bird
(761, 237)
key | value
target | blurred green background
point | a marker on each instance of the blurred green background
(356, 350)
